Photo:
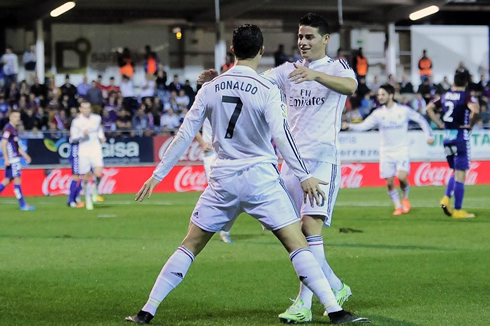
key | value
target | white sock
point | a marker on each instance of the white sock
(224, 233)
(405, 192)
(395, 198)
(310, 274)
(315, 243)
(86, 191)
(173, 272)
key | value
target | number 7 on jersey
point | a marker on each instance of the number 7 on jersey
(234, 117)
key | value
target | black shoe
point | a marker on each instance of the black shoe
(142, 317)
(345, 317)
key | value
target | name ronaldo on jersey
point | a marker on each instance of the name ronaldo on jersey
(242, 86)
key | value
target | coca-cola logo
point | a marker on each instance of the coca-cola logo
(57, 183)
(351, 176)
(192, 154)
(189, 180)
(428, 175)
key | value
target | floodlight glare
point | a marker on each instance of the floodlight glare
(62, 9)
(423, 12)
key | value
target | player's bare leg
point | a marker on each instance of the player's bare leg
(5, 182)
(95, 189)
(395, 197)
(460, 178)
(405, 187)
(173, 272)
(311, 276)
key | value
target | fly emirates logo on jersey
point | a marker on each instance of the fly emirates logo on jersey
(305, 97)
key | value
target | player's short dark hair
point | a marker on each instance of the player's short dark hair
(247, 41)
(460, 79)
(388, 88)
(316, 21)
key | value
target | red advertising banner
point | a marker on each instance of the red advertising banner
(124, 180)
(193, 154)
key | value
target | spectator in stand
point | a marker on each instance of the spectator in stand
(24, 88)
(127, 92)
(229, 63)
(151, 61)
(123, 123)
(141, 124)
(42, 117)
(478, 125)
(95, 98)
(29, 59)
(13, 92)
(29, 118)
(406, 86)
(443, 86)
(161, 85)
(73, 116)
(70, 90)
(40, 91)
(391, 80)
(362, 88)
(83, 87)
(175, 85)
(419, 104)
(366, 104)
(33, 102)
(295, 54)
(425, 66)
(360, 64)
(477, 88)
(353, 116)
(172, 103)
(60, 120)
(339, 55)
(34, 133)
(182, 100)
(125, 63)
(53, 132)
(182, 115)
(10, 67)
(112, 87)
(22, 104)
(148, 87)
(426, 90)
(189, 91)
(280, 56)
(65, 103)
(169, 121)
(111, 102)
(376, 84)
(109, 118)
(462, 69)
(53, 88)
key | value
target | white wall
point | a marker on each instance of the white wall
(449, 45)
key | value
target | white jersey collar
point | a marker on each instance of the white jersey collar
(316, 63)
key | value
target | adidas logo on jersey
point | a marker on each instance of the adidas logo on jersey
(180, 275)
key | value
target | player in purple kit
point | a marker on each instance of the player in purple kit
(12, 153)
(75, 184)
(460, 112)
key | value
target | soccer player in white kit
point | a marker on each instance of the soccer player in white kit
(86, 130)
(394, 161)
(315, 89)
(245, 112)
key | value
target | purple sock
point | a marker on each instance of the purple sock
(450, 187)
(1, 187)
(77, 190)
(458, 194)
(19, 196)
(73, 189)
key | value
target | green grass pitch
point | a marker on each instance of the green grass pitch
(62, 266)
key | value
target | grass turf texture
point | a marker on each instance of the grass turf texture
(62, 266)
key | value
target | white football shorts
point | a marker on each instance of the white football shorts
(88, 162)
(328, 172)
(389, 165)
(258, 191)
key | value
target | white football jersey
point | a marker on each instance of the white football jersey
(207, 131)
(314, 111)
(245, 112)
(393, 127)
(90, 144)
